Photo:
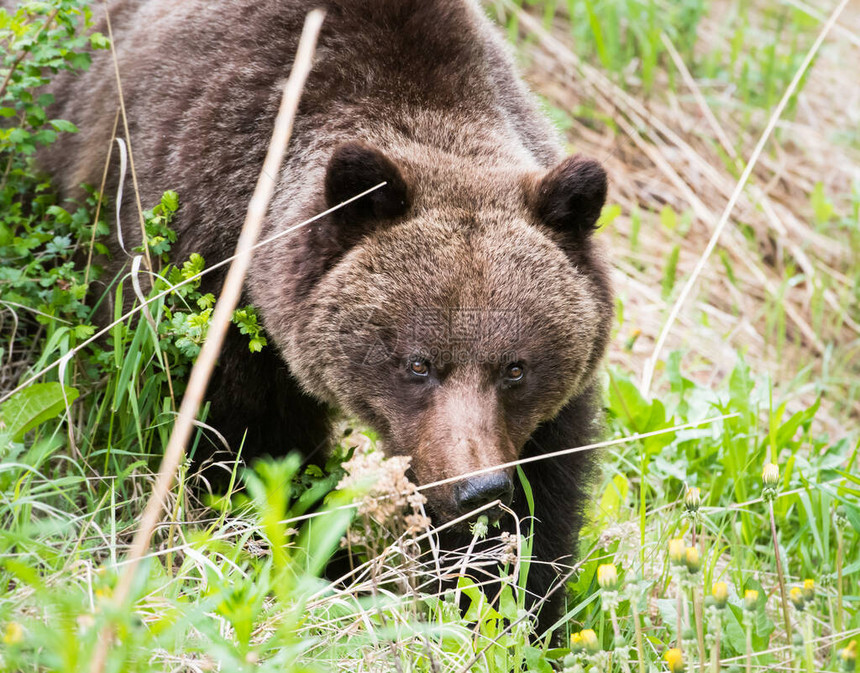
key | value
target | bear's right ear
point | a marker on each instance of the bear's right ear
(569, 197)
(354, 168)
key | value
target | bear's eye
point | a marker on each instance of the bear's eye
(419, 367)
(515, 372)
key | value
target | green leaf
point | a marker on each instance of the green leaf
(821, 205)
(535, 660)
(170, 201)
(614, 497)
(670, 272)
(63, 126)
(669, 218)
(320, 537)
(607, 216)
(627, 403)
(33, 406)
(507, 603)
(480, 609)
(99, 41)
(853, 516)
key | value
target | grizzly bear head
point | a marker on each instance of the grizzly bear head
(463, 304)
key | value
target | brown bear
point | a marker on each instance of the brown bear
(461, 311)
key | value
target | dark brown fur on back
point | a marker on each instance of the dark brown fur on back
(480, 213)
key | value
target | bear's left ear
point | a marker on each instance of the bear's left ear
(569, 197)
(355, 167)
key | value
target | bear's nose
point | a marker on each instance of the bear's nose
(482, 489)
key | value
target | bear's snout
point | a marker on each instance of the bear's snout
(470, 494)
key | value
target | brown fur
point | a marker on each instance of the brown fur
(476, 254)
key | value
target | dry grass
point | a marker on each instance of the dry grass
(668, 151)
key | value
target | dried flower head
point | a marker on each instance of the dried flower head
(674, 660)
(720, 592)
(770, 475)
(510, 548)
(692, 560)
(607, 577)
(390, 499)
(750, 599)
(676, 551)
(693, 499)
(808, 590)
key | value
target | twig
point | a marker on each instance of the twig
(143, 238)
(100, 199)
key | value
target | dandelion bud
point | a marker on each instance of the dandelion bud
(481, 527)
(720, 592)
(589, 641)
(576, 645)
(808, 590)
(848, 656)
(770, 475)
(750, 599)
(693, 499)
(607, 577)
(692, 560)
(676, 552)
(796, 596)
(674, 660)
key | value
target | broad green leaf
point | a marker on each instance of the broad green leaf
(480, 609)
(614, 497)
(33, 406)
(536, 660)
(64, 126)
(627, 403)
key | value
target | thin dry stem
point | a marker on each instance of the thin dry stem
(781, 577)
(227, 302)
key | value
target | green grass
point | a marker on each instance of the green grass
(235, 584)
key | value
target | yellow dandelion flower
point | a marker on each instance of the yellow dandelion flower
(750, 599)
(607, 577)
(589, 641)
(796, 596)
(808, 590)
(676, 551)
(720, 592)
(693, 499)
(849, 656)
(770, 475)
(13, 633)
(674, 660)
(692, 560)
